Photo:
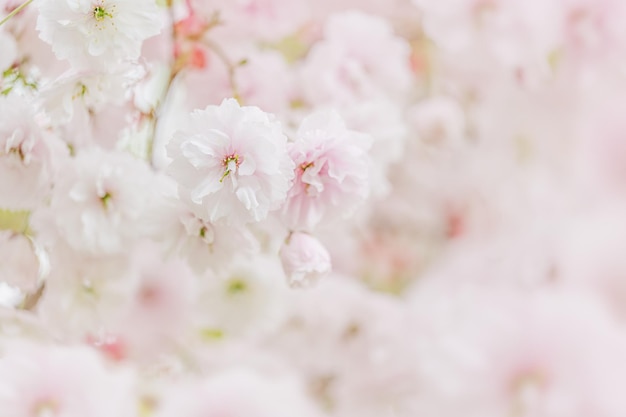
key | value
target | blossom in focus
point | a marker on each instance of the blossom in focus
(332, 171)
(92, 33)
(305, 260)
(233, 161)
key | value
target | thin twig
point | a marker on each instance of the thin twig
(174, 70)
(15, 11)
(230, 67)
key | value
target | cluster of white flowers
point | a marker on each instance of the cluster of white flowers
(312, 208)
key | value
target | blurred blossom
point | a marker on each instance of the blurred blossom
(305, 260)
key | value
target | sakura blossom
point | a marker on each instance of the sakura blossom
(359, 58)
(96, 195)
(27, 163)
(89, 33)
(305, 260)
(30, 383)
(233, 161)
(313, 208)
(331, 172)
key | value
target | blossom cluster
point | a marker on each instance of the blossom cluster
(312, 208)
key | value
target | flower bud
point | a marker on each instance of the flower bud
(305, 260)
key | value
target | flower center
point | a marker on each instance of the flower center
(527, 389)
(305, 165)
(313, 185)
(18, 152)
(236, 286)
(206, 234)
(100, 13)
(46, 408)
(231, 163)
(106, 199)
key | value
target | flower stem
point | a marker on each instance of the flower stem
(157, 113)
(15, 11)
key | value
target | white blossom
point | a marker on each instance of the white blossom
(97, 33)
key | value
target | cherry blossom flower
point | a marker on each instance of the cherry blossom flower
(90, 33)
(89, 89)
(305, 260)
(232, 161)
(460, 163)
(383, 120)
(359, 58)
(159, 312)
(84, 294)
(331, 171)
(70, 381)
(364, 342)
(211, 245)
(244, 300)
(27, 156)
(520, 360)
(95, 206)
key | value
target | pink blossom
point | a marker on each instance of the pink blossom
(99, 204)
(383, 120)
(439, 121)
(364, 343)
(27, 156)
(332, 176)
(158, 313)
(359, 58)
(305, 260)
(66, 381)
(203, 244)
(84, 293)
(232, 161)
(245, 299)
(489, 353)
